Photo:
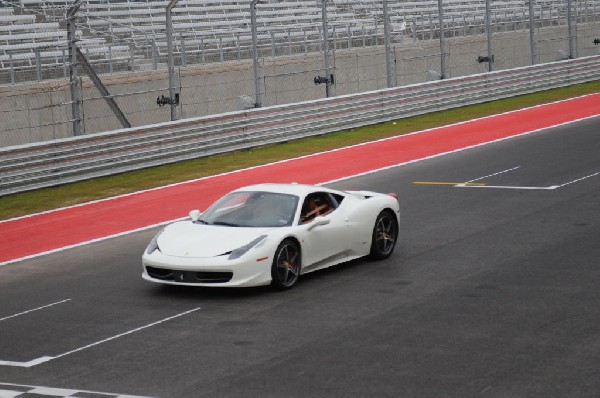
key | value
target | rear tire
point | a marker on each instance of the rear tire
(286, 267)
(385, 235)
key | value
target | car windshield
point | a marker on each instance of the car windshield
(252, 209)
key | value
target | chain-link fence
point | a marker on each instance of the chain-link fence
(126, 45)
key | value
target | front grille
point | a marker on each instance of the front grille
(189, 276)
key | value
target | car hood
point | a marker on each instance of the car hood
(187, 239)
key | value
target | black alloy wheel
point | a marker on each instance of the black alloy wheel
(286, 265)
(385, 235)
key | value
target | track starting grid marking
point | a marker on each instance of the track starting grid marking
(8, 390)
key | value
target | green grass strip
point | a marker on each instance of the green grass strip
(104, 187)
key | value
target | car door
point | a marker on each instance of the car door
(326, 235)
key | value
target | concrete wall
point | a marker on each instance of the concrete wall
(42, 111)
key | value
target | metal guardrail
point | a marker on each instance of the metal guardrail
(32, 166)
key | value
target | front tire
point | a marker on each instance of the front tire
(385, 235)
(286, 267)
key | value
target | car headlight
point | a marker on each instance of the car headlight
(240, 251)
(153, 246)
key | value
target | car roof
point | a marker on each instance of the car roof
(293, 188)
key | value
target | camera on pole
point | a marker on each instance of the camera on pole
(323, 80)
(162, 100)
(481, 59)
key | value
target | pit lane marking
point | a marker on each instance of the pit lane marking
(37, 361)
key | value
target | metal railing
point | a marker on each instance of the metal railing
(50, 163)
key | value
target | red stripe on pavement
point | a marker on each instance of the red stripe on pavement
(69, 226)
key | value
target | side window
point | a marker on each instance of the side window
(316, 204)
(337, 198)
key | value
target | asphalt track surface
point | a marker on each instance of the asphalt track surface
(492, 292)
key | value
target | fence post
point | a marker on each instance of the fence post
(12, 70)
(430, 27)
(131, 58)
(273, 50)
(110, 60)
(183, 55)
(349, 37)
(334, 40)
(305, 42)
(154, 54)
(38, 66)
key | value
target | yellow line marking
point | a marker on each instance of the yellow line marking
(449, 183)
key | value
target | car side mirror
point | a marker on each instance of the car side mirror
(317, 222)
(195, 215)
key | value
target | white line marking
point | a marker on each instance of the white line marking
(55, 392)
(495, 174)
(27, 364)
(505, 187)
(552, 187)
(35, 309)
(40, 360)
(579, 179)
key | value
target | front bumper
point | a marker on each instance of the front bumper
(214, 272)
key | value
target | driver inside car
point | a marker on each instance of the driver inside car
(314, 205)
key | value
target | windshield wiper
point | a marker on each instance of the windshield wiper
(227, 224)
(200, 222)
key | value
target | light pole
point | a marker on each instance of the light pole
(326, 48)
(488, 29)
(442, 40)
(170, 66)
(257, 101)
(71, 29)
(386, 32)
(532, 33)
(570, 30)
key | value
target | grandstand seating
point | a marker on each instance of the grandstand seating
(33, 31)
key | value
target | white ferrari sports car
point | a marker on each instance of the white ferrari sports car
(271, 234)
